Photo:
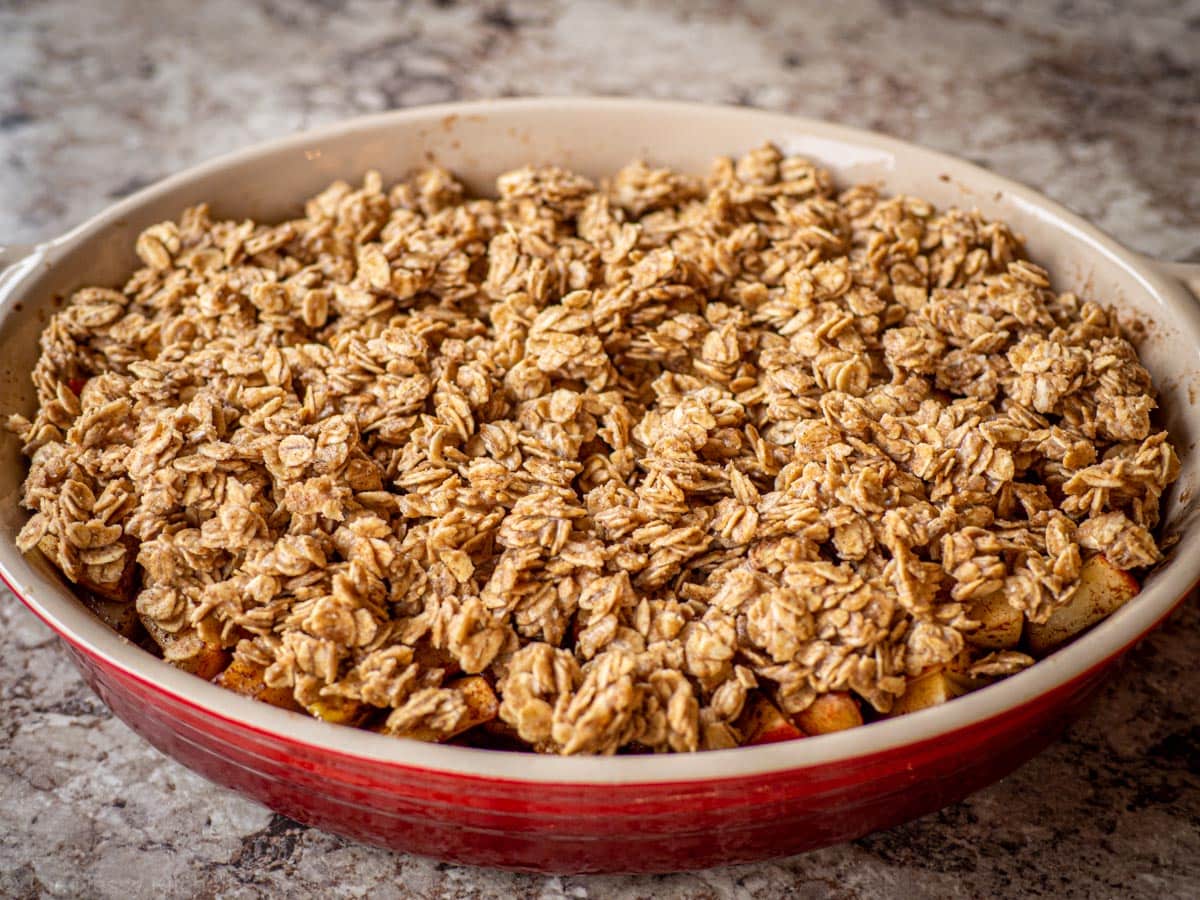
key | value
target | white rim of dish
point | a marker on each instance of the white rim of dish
(67, 616)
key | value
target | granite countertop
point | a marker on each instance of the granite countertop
(1096, 104)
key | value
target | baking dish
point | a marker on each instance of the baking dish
(632, 813)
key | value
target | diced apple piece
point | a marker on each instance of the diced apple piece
(481, 700)
(242, 677)
(929, 689)
(763, 723)
(208, 663)
(246, 678)
(121, 590)
(188, 651)
(1000, 623)
(1103, 589)
(483, 707)
(830, 712)
(339, 710)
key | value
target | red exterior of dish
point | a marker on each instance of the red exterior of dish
(587, 828)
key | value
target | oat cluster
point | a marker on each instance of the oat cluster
(633, 451)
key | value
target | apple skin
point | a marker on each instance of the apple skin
(1103, 589)
(830, 712)
(763, 723)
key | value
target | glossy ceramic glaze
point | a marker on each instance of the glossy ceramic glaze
(586, 814)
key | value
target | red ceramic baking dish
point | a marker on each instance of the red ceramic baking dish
(587, 814)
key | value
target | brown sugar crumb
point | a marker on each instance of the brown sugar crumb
(635, 452)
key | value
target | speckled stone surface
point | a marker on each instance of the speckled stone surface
(1096, 104)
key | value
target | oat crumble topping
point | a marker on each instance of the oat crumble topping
(635, 452)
